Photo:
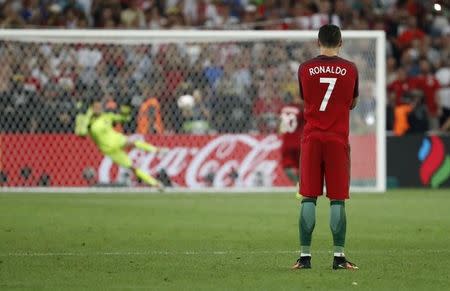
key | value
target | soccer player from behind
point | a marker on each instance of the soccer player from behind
(329, 88)
(291, 126)
(100, 127)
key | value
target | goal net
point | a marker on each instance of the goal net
(213, 98)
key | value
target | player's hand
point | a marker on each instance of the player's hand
(125, 109)
(126, 118)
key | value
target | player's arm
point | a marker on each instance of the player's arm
(355, 91)
(300, 91)
(82, 121)
(354, 103)
(118, 117)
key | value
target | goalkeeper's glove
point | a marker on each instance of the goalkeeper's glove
(125, 112)
(125, 109)
(82, 123)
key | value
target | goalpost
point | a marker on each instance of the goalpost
(223, 137)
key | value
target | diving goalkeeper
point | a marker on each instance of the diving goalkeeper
(99, 125)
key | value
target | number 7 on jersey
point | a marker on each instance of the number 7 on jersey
(331, 82)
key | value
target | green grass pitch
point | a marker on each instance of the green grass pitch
(400, 240)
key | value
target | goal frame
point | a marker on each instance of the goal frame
(174, 36)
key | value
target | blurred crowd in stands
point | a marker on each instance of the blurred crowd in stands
(235, 88)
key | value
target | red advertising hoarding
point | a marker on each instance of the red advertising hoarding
(240, 160)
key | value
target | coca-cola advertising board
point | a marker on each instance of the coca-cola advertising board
(194, 161)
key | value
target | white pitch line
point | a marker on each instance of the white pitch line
(210, 253)
(149, 253)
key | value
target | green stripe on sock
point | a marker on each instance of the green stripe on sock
(338, 222)
(307, 221)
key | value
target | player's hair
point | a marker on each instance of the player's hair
(330, 35)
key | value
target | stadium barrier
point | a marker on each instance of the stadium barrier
(201, 161)
(418, 161)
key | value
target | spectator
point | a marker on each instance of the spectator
(10, 17)
(425, 50)
(88, 58)
(133, 16)
(173, 64)
(7, 108)
(191, 11)
(197, 77)
(149, 116)
(106, 14)
(391, 74)
(429, 85)
(29, 10)
(241, 84)
(250, 17)
(400, 85)
(410, 33)
(344, 12)
(411, 115)
(322, 14)
(75, 17)
(213, 70)
(417, 118)
(443, 76)
(268, 104)
(195, 119)
(230, 108)
(153, 18)
(175, 19)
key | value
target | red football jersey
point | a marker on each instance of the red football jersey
(429, 86)
(291, 125)
(400, 87)
(328, 86)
